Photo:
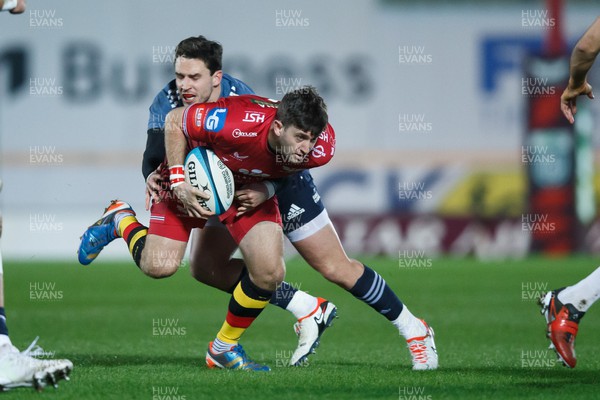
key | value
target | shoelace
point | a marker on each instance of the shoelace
(246, 362)
(418, 350)
(243, 354)
(34, 350)
(239, 349)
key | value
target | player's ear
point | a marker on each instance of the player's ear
(216, 78)
(277, 127)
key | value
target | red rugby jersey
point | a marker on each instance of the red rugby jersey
(236, 129)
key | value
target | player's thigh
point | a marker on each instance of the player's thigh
(162, 256)
(262, 248)
(210, 256)
(211, 246)
(323, 251)
(322, 248)
(167, 238)
(302, 211)
(307, 225)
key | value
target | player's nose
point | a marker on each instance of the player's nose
(305, 148)
(185, 83)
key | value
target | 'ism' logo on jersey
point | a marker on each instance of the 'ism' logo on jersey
(254, 116)
(215, 119)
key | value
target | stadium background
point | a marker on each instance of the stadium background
(429, 106)
(427, 102)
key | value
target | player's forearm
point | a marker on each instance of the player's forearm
(581, 62)
(175, 142)
(155, 151)
(584, 54)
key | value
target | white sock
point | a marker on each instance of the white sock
(302, 304)
(4, 339)
(220, 346)
(584, 293)
(409, 325)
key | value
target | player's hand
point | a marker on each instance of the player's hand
(154, 185)
(251, 196)
(568, 99)
(187, 195)
(20, 8)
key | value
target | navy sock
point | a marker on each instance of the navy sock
(372, 289)
(3, 327)
(283, 295)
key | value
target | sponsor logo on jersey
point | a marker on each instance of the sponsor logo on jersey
(294, 211)
(238, 133)
(318, 151)
(324, 136)
(271, 103)
(199, 116)
(254, 116)
(215, 119)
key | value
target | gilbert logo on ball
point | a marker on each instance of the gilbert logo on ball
(206, 172)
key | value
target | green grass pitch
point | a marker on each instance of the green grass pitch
(131, 337)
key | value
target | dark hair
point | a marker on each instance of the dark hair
(199, 47)
(304, 109)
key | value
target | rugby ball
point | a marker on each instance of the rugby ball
(206, 172)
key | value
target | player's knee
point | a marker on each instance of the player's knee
(159, 267)
(158, 272)
(269, 279)
(278, 276)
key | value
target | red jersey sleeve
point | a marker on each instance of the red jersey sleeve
(324, 148)
(193, 122)
(202, 120)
